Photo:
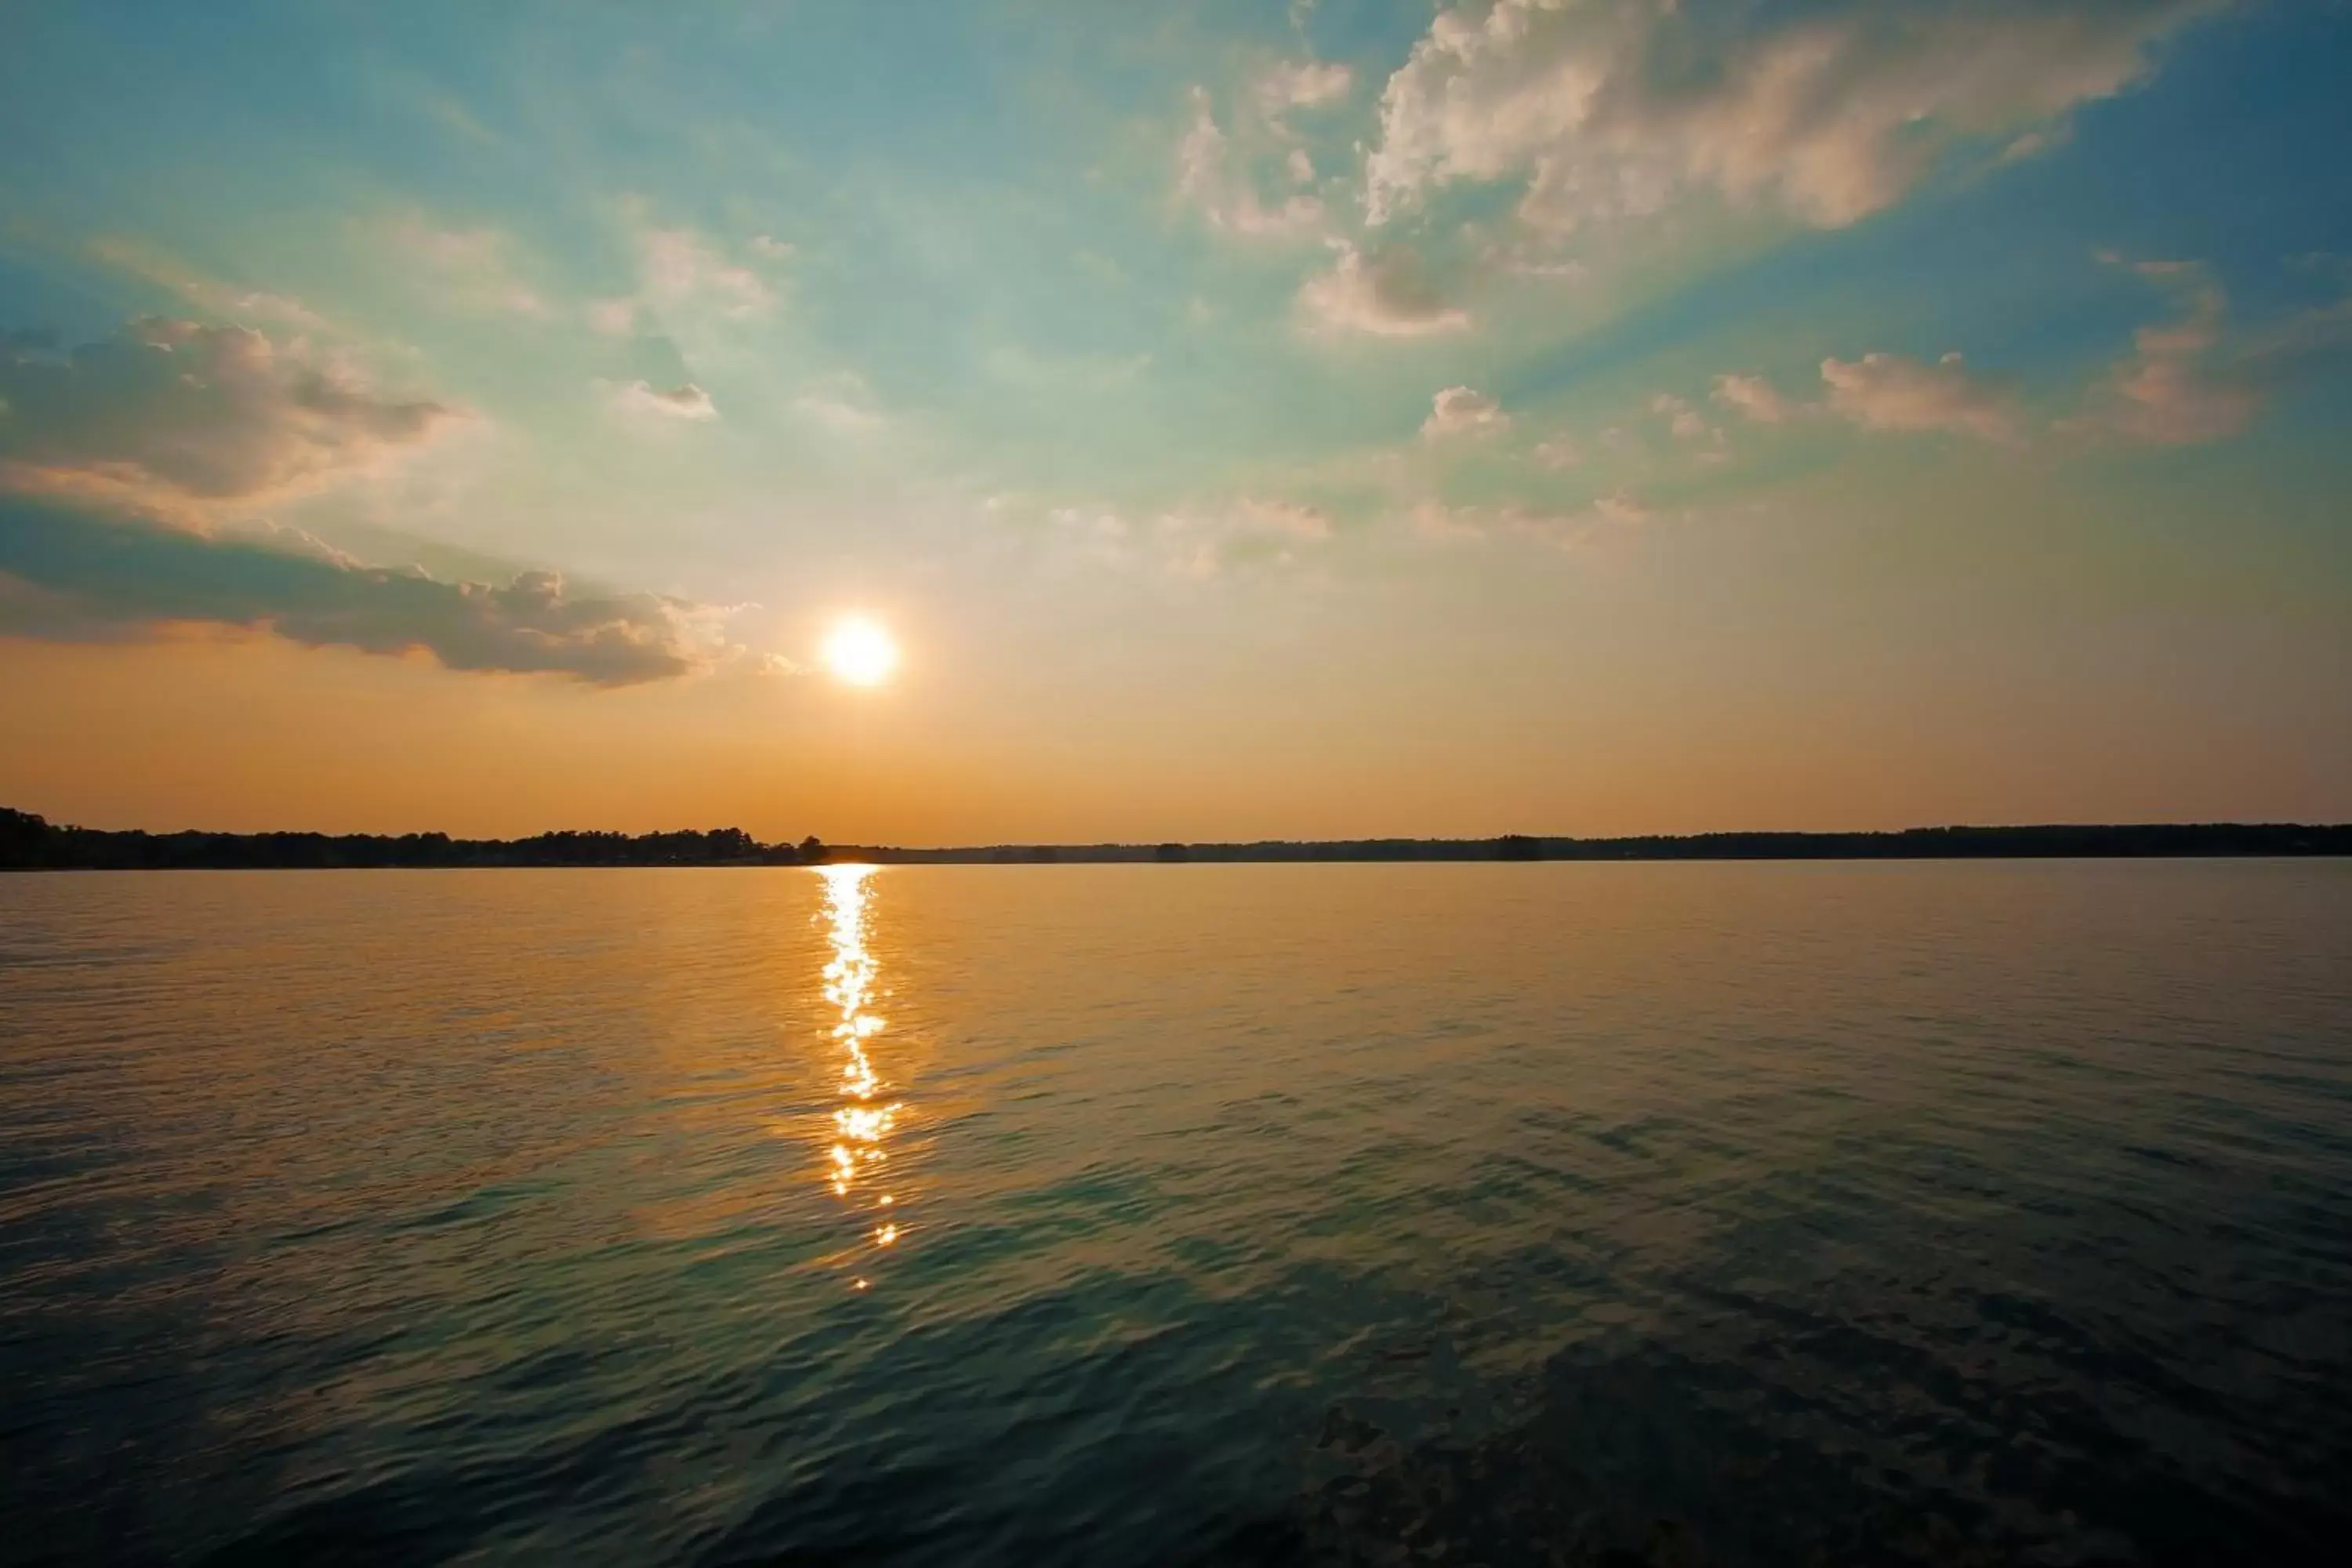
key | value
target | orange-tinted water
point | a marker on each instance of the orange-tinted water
(1168, 1214)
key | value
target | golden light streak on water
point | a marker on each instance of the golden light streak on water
(862, 1123)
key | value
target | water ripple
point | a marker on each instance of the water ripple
(1656, 1214)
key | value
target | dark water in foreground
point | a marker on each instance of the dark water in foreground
(1677, 1214)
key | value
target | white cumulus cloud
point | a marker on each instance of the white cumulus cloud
(1463, 411)
(1612, 109)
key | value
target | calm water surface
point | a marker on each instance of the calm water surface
(1671, 1214)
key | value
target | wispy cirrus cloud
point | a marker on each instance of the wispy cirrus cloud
(683, 268)
(1559, 526)
(1251, 531)
(246, 307)
(474, 270)
(1196, 539)
(841, 403)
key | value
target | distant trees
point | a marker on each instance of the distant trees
(29, 842)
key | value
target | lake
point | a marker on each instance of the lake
(1941, 1212)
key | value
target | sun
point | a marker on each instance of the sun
(860, 652)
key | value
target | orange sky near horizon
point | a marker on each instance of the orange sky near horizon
(252, 734)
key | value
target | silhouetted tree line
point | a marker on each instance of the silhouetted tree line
(2088, 841)
(32, 843)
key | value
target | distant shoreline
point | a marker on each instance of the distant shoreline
(29, 842)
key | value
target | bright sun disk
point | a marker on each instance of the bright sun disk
(860, 652)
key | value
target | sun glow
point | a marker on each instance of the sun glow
(860, 652)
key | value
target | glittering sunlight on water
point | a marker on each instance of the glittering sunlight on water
(862, 1123)
(1727, 1213)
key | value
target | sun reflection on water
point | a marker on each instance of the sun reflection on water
(862, 1123)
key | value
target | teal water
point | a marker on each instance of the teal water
(1690, 1214)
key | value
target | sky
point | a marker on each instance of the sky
(1309, 420)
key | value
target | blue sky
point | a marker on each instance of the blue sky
(1285, 419)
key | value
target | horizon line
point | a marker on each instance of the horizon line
(28, 841)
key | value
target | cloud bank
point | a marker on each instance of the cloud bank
(67, 574)
(170, 411)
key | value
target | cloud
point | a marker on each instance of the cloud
(841, 403)
(1462, 411)
(1621, 508)
(1828, 112)
(686, 402)
(770, 247)
(2195, 378)
(256, 305)
(2187, 380)
(1309, 85)
(473, 269)
(1290, 519)
(2172, 390)
(1252, 531)
(246, 307)
(684, 269)
(1215, 177)
(1196, 541)
(1684, 422)
(1891, 391)
(1386, 294)
(614, 318)
(1754, 397)
(72, 575)
(1617, 510)
(1101, 522)
(172, 412)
